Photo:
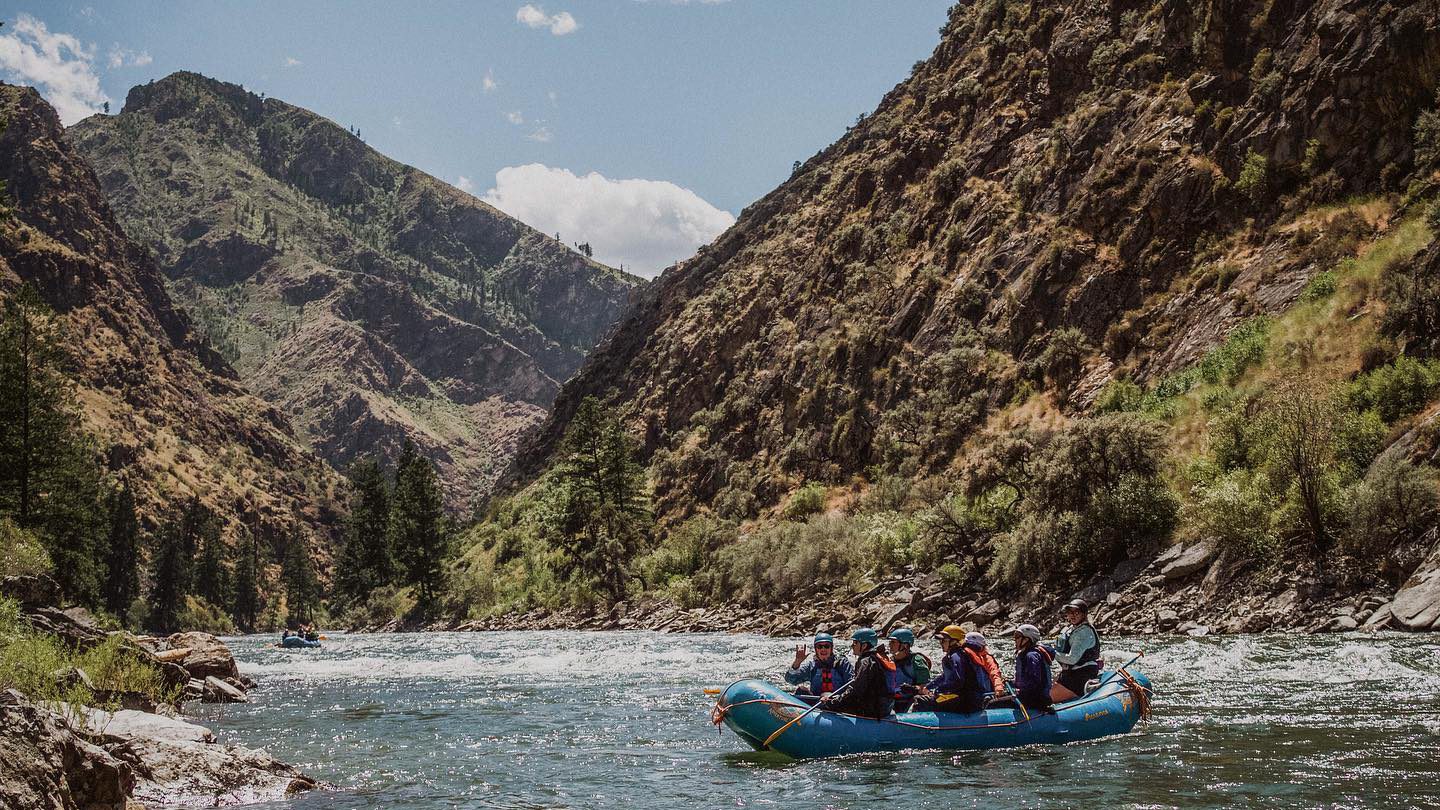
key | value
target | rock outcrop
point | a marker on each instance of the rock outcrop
(1417, 603)
(45, 765)
(167, 409)
(371, 302)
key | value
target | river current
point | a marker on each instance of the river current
(612, 720)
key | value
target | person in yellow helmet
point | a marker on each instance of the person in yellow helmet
(962, 686)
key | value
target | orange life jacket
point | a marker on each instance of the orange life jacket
(989, 666)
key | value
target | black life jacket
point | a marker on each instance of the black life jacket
(1091, 657)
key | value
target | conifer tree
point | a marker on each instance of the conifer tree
(50, 478)
(170, 576)
(601, 516)
(366, 560)
(246, 604)
(122, 581)
(417, 530)
(302, 591)
(212, 575)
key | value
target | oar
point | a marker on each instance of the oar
(1131, 661)
(787, 726)
(712, 691)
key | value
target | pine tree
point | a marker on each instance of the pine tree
(50, 478)
(246, 603)
(417, 530)
(212, 575)
(366, 560)
(302, 591)
(122, 582)
(169, 578)
(601, 519)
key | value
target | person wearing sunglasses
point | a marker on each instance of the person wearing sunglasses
(822, 674)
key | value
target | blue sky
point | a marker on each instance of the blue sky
(542, 107)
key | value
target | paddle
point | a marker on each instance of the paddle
(817, 705)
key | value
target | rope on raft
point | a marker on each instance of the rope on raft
(1141, 694)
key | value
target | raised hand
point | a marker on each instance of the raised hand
(801, 651)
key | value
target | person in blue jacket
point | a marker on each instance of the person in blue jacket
(1032, 669)
(962, 687)
(822, 674)
(912, 669)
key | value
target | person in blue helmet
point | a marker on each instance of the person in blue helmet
(822, 674)
(912, 669)
(870, 694)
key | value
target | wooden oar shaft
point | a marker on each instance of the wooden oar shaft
(787, 726)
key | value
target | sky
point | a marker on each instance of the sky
(642, 127)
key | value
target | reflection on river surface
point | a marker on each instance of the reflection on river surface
(601, 720)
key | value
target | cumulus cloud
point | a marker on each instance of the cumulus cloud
(559, 23)
(646, 225)
(487, 82)
(123, 57)
(58, 65)
(465, 184)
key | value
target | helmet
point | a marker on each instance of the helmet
(1078, 604)
(866, 636)
(904, 635)
(824, 638)
(1029, 631)
(952, 631)
(975, 639)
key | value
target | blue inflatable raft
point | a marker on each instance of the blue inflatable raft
(756, 709)
(295, 642)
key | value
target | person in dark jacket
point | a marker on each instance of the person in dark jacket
(962, 686)
(1032, 669)
(912, 669)
(821, 675)
(869, 694)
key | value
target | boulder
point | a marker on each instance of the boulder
(1190, 561)
(1166, 619)
(218, 691)
(1417, 604)
(1341, 624)
(75, 627)
(984, 614)
(45, 765)
(31, 591)
(1127, 571)
(208, 655)
(123, 725)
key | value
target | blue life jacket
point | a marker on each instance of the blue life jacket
(837, 671)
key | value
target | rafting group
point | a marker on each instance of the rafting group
(303, 637)
(891, 698)
(899, 679)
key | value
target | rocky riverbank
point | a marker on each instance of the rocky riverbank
(136, 752)
(1192, 590)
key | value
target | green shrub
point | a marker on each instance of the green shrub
(1119, 396)
(21, 553)
(1391, 510)
(1411, 291)
(1234, 509)
(1254, 180)
(198, 614)
(1359, 438)
(784, 561)
(1398, 389)
(1321, 287)
(685, 550)
(887, 540)
(806, 501)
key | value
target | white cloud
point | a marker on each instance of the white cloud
(541, 135)
(290, 62)
(560, 23)
(515, 118)
(643, 224)
(58, 65)
(122, 57)
(465, 184)
(488, 83)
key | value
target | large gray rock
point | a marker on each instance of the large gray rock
(984, 614)
(31, 591)
(127, 725)
(45, 765)
(1417, 604)
(1191, 560)
(218, 691)
(207, 655)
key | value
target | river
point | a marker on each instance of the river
(618, 720)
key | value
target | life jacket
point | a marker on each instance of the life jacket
(827, 676)
(987, 664)
(1090, 657)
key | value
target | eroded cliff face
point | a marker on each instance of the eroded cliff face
(369, 301)
(1147, 174)
(167, 410)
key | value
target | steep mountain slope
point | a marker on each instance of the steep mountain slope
(1064, 194)
(371, 302)
(167, 409)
